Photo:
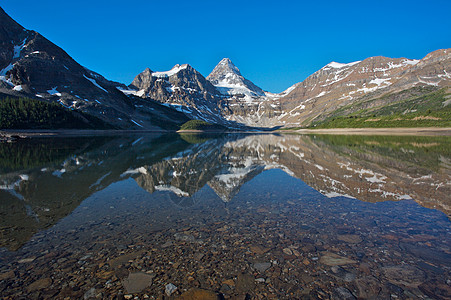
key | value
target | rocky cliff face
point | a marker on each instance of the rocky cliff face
(32, 66)
(182, 88)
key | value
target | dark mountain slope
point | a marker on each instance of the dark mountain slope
(32, 66)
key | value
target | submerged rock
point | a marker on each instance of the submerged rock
(262, 267)
(404, 274)
(91, 293)
(184, 237)
(331, 259)
(167, 244)
(342, 293)
(436, 290)
(369, 287)
(287, 251)
(342, 274)
(350, 238)
(245, 283)
(136, 282)
(39, 284)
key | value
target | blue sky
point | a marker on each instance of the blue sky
(274, 43)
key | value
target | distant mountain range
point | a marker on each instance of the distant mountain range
(32, 66)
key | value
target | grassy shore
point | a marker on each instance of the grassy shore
(418, 131)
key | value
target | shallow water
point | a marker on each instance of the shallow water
(259, 216)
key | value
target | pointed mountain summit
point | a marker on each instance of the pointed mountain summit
(11, 33)
(226, 77)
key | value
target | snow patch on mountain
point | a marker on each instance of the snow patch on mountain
(18, 49)
(274, 96)
(177, 68)
(380, 81)
(392, 65)
(335, 194)
(137, 123)
(128, 90)
(140, 170)
(5, 70)
(95, 83)
(336, 65)
(54, 92)
(411, 62)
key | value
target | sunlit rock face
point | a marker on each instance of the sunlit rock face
(336, 85)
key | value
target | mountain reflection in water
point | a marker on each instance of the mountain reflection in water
(259, 216)
(43, 181)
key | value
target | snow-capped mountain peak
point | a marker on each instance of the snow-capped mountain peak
(226, 77)
(228, 64)
(226, 74)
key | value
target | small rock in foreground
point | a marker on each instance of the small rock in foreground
(170, 289)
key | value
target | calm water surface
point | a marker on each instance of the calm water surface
(236, 216)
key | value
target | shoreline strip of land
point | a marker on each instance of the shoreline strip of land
(420, 131)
